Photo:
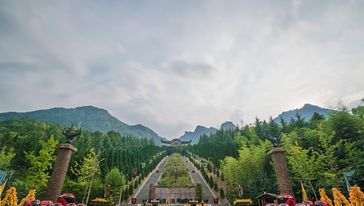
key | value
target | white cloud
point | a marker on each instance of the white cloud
(173, 66)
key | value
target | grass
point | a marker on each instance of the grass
(175, 173)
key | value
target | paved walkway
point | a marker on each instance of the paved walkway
(207, 193)
(153, 178)
(143, 192)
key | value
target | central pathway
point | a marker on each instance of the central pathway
(207, 193)
(153, 178)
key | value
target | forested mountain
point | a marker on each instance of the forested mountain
(319, 150)
(306, 112)
(91, 118)
(28, 146)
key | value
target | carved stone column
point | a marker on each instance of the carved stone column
(55, 183)
(280, 166)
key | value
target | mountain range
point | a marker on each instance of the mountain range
(97, 119)
(201, 130)
(306, 113)
(91, 118)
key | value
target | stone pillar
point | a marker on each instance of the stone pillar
(280, 166)
(56, 181)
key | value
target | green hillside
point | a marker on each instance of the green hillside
(91, 118)
(27, 150)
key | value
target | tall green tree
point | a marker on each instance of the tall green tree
(86, 172)
(116, 180)
(38, 174)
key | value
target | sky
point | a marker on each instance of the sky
(172, 65)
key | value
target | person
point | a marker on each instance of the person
(286, 199)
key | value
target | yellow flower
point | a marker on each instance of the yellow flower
(30, 196)
(10, 198)
(339, 198)
(99, 200)
(324, 197)
(356, 196)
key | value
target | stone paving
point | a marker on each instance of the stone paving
(143, 192)
(207, 193)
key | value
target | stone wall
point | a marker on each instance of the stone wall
(172, 193)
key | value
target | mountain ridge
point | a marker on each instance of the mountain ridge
(201, 130)
(94, 118)
(91, 118)
(306, 113)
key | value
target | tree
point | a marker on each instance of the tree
(345, 126)
(115, 179)
(5, 157)
(302, 167)
(317, 116)
(38, 174)
(131, 189)
(222, 194)
(87, 171)
(273, 128)
(116, 151)
(252, 169)
(211, 181)
(199, 190)
(125, 194)
(209, 167)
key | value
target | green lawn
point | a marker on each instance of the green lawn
(175, 173)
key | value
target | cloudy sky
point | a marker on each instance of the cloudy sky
(172, 65)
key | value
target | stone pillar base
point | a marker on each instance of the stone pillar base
(280, 166)
(55, 183)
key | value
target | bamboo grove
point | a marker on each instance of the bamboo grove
(319, 150)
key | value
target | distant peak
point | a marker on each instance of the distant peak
(305, 112)
(200, 128)
(88, 107)
(91, 109)
(228, 125)
(309, 105)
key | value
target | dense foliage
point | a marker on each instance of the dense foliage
(29, 144)
(318, 152)
(216, 146)
(175, 173)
